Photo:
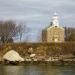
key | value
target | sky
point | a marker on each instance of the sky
(37, 14)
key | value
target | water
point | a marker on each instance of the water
(37, 70)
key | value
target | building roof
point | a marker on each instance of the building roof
(51, 26)
(48, 26)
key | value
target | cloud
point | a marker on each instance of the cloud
(38, 13)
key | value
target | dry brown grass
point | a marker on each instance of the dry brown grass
(39, 48)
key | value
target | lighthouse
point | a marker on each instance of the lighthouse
(54, 32)
(55, 20)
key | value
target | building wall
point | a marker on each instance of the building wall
(44, 36)
(53, 34)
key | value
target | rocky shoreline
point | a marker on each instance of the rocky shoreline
(59, 62)
(38, 53)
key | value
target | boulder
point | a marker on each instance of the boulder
(12, 55)
(32, 55)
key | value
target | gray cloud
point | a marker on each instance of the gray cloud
(38, 13)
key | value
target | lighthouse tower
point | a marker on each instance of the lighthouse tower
(55, 20)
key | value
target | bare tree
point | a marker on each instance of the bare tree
(69, 34)
(39, 37)
(21, 29)
(8, 30)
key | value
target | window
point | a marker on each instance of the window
(56, 40)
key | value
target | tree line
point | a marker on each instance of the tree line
(9, 30)
(69, 34)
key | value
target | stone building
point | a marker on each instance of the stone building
(53, 33)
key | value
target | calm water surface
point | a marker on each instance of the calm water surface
(37, 70)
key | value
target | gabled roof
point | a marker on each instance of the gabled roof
(57, 27)
(48, 26)
(51, 26)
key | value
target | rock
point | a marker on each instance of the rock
(12, 56)
(28, 60)
(30, 50)
(32, 55)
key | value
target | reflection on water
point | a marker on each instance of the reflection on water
(37, 70)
